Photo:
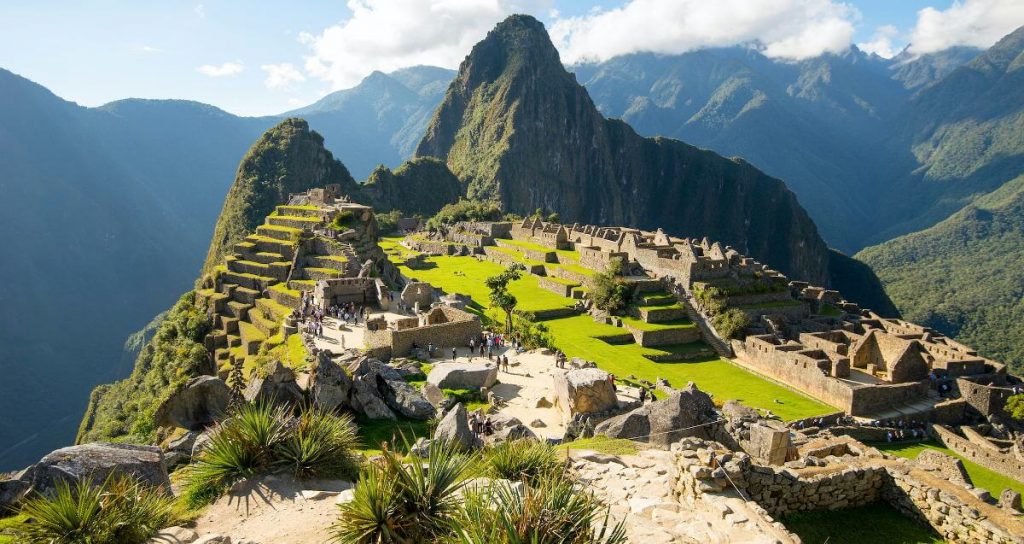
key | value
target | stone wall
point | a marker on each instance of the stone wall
(561, 288)
(664, 337)
(983, 399)
(397, 343)
(1003, 463)
(596, 259)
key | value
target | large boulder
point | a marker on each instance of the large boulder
(197, 404)
(584, 391)
(276, 384)
(463, 375)
(454, 428)
(366, 399)
(13, 489)
(329, 385)
(663, 422)
(405, 399)
(95, 462)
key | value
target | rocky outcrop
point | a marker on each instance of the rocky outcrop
(276, 384)
(329, 385)
(584, 391)
(463, 375)
(663, 422)
(454, 428)
(405, 399)
(87, 462)
(197, 404)
(366, 399)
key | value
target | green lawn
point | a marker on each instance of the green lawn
(603, 444)
(466, 275)
(575, 336)
(982, 477)
(562, 253)
(875, 523)
(376, 431)
(7, 526)
(645, 326)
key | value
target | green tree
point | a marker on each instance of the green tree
(500, 295)
(1015, 406)
(609, 292)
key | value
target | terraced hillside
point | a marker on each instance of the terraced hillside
(261, 282)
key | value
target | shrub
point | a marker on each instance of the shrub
(730, 323)
(396, 501)
(1015, 406)
(387, 223)
(609, 292)
(552, 512)
(465, 210)
(121, 510)
(526, 460)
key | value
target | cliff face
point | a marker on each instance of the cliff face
(517, 128)
(288, 158)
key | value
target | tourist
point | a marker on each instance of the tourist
(611, 380)
(643, 395)
(488, 426)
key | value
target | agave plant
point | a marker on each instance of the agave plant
(120, 510)
(403, 502)
(241, 446)
(527, 460)
(552, 512)
(321, 444)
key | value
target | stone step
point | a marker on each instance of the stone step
(277, 271)
(301, 285)
(266, 257)
(262, 244)
(222, 355)
(299, 211)
(272, 310)
(268, 326)
(251, 281)
(229, 324)
(293, 221)
(252, 337)
(244, 294)
(339, 262)
(216, 340)
(214, 301)
(279, 233)
(661, 315)
(657, 299)
(238, 309)
(284, 296)
(314, 273)
(234, 340)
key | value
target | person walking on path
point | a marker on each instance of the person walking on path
(453, 353)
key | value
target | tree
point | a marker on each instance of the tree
(500, 295)
(730, 323)
(608, 291)
(1015, 406)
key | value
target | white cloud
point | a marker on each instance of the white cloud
(979, 23)
(223, 70)
(881, 42)
(282, 76)
(200, 11)
(390, 34)
(789, 29)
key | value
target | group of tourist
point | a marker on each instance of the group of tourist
(480, 425)
(349, 312)
(560, 359)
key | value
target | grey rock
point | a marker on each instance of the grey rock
(1010, 500)
(13, 489)
(512, 432)
(405, 399)
(665, 421)
(275, 383)
(196, 404)
(367, 400)
(201, 441)
(433, 394)
(175, 459)
(463, 375)
(184, 443)
(174, 535)
(367, 366)
(584, 391)
(96, 461)
(329, 385)
(454, 428)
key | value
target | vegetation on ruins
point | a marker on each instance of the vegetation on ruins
(500, 296)
(730, 323)
(261, 438)
(123, 411)
(119, 510)
(608, 290)
(1015, 406)
(387, 223)
(465, 210)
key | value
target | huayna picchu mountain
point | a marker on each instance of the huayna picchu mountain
(518, 129)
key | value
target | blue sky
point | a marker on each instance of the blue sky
(257, 57)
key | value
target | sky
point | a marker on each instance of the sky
(257, 57)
